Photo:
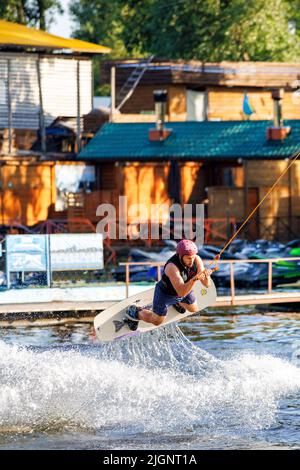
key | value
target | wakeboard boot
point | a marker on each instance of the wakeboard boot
(179, 308)
(131, 317)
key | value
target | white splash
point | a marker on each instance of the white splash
(153, 383)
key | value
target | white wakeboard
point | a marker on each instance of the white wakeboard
(108, 324)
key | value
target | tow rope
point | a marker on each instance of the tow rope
(218, 256)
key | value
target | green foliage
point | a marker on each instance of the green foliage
(38, 13)
(213, 30)
(99, 90)
(100, 21)
(209, 30)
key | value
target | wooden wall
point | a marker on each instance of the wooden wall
(177, 103)
(145, 183)
(190, 174)
(197, 73)
(148, 182)
(263, 174)
(280, 209)
(225, 202)
(284, 201)
(224, 103)
(142, 100)
(227, 104)
(27, 192)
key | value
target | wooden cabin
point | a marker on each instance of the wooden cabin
(228, 166)
(33, 191)
(200, 91)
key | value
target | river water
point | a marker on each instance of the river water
(220, 381)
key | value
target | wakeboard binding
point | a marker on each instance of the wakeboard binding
(131, 319)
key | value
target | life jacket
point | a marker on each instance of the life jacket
(185, 272)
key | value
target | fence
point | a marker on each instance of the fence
(232, 263)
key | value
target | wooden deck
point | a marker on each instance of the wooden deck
(95, 307)
(58, 312)
(50, 313)
(54, 313)
(257, 299)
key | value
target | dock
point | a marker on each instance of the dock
(84, 310)
(56, 313)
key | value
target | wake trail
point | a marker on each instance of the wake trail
(156, 382)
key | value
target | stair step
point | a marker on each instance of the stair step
(131, 82)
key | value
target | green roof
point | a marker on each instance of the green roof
(191, 140)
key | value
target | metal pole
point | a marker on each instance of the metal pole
(246, 189)
(92, 85)
(9, 109)
(270, 275)
(112, 92)
(7, 264)
(41, 114)
(232, 282)
(78, 108)
(127, 280)
(48, 260)
(290, 208)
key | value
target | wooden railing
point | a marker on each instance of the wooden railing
(208, 263)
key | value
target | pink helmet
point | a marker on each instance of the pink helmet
(186, 247)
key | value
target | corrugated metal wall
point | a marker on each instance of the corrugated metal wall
(59, 88)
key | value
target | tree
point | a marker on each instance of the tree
(208, 30)
(38, 13)
(213, 30)
(100, 21)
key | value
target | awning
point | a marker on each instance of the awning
(12, 34)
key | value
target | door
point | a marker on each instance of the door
(195, 105)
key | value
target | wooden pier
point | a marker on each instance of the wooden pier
(59, 312)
